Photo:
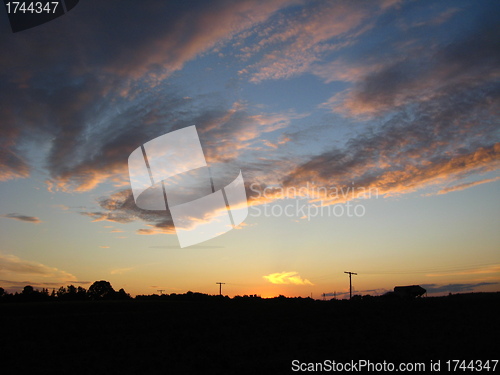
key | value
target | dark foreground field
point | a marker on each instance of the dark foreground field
(240, 337)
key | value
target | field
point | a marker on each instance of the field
(244, 336)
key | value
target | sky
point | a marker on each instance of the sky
(366, 132)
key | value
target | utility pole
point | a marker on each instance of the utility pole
(220, 288)
(350, 282)
(161, 291)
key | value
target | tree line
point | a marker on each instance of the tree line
(103, 290)
(99, 290)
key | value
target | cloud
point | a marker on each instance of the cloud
(120, 207)
(27, 219)
(283, 140)
(62, 207)
(174, 34)
(433, 109)
(437, 20)
(88, 105)
(467, 185)
(12, 166)
(435, 142)
(141, 39)
(121, 271)
(229, 134)
(14, 269)
(295, 45)
(102, 100)
(474, 271)
(216, 136)
(86, 156)
(454, 288)
(287, 278)
(413, 73)
(155, 230)
(344, 70)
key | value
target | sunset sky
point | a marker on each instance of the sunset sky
(367, 134)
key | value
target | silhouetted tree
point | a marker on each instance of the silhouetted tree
(81, 293)
(61, 292)
(71, 289)
(31, 294)
(122, 294)
(101, 290)
(28, 290)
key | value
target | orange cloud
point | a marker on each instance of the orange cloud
(155, 230)
(14, 268)
(287, 278)
(393, 180)
(466, 185)
(121, 271)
